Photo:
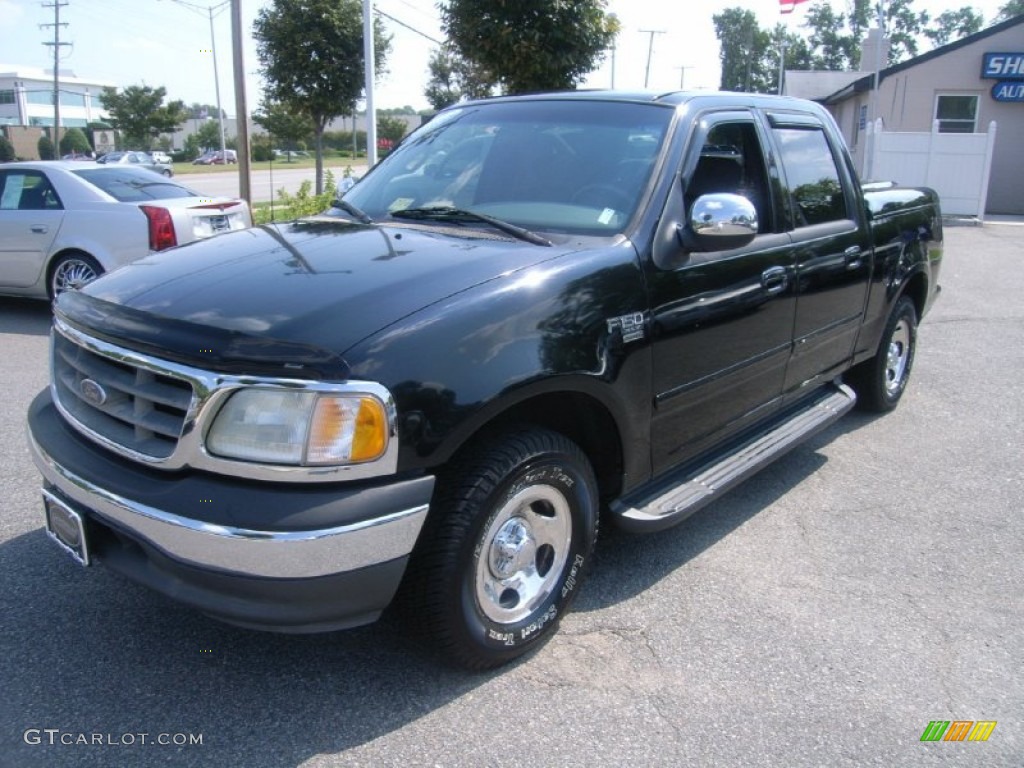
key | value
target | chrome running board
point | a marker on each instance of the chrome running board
(667, 507)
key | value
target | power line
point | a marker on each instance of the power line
(379, 12)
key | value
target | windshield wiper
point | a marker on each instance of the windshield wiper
(451, 213)
(347, 207)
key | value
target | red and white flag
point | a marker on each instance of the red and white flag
(787, 6)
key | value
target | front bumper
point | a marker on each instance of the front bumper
(279, 556)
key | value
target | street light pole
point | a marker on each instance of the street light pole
(216, 84)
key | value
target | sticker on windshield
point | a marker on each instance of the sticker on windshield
(400, 204)
(606, 216)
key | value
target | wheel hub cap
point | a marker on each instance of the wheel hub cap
(523, 554)
(513, 547)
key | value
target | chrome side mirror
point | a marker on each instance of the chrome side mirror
(722, 221)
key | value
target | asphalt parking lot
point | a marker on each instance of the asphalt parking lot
(823, 614)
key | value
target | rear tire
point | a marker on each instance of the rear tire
(70, 271)
(509, 537)
(881, 381)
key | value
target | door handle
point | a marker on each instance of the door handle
(39, 229)
(853, 257)
(775, 279)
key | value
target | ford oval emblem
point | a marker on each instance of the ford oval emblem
(92, 392)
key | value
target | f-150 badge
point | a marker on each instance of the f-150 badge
(631, 326)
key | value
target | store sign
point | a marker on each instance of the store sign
(1008, 90)
(999, 66)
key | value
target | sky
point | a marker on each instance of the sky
(168, 43)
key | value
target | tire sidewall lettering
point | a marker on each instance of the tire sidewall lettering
(568, 481)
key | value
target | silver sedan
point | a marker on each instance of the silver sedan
(64, 223)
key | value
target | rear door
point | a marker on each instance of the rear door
(833, 251)
(722, 322)
(30, 217)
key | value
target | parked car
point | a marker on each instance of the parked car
(161, 157)
(64, 223)
(538, 310)
(137, 159)
(216, 157)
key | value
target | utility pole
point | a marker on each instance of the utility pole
(682, 75)
(57, 44)
(241, 104)
(650, 50)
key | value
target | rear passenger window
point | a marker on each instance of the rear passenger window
(812, 176)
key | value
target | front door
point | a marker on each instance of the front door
(722, 322)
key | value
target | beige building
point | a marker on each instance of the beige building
(958, 88)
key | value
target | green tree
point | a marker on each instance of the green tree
(140, 114)
(1011, 9)
(390, 128)
(6, 150)
(453, 77)
(197, 111)
(443, 86)
(530, 45)
(208, 135)
(74, 141)
(953, 25)
(192, 147)
(904, 26)
(832, 47)
(45, 147)
(746, 52)
(287, 127)
(312, 62)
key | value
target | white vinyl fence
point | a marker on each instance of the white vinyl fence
(956, 165)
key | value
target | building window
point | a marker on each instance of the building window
(39, 97)
(7, 97)
(69, 99)
(956, 114)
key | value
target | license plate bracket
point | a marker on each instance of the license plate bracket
(66, 527)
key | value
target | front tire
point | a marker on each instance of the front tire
(881, 381)
(509, 538)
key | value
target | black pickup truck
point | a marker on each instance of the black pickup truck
(536, 312)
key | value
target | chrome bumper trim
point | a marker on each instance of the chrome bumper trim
(262, 554)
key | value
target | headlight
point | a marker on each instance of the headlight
(299, 428)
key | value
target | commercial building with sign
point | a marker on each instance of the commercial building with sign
(958, 88)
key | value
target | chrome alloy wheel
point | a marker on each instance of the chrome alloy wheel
(897, 357)
(72, 274)
(523, 554)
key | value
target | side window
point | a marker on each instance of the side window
(813, 178)
(731, 160)
(27, 191)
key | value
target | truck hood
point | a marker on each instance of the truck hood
(298, 291)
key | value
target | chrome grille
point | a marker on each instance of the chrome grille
(140, 410)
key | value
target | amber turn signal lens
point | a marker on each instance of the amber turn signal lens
(346, 429)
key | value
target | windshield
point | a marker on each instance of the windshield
(133, 185)
(560, 166)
